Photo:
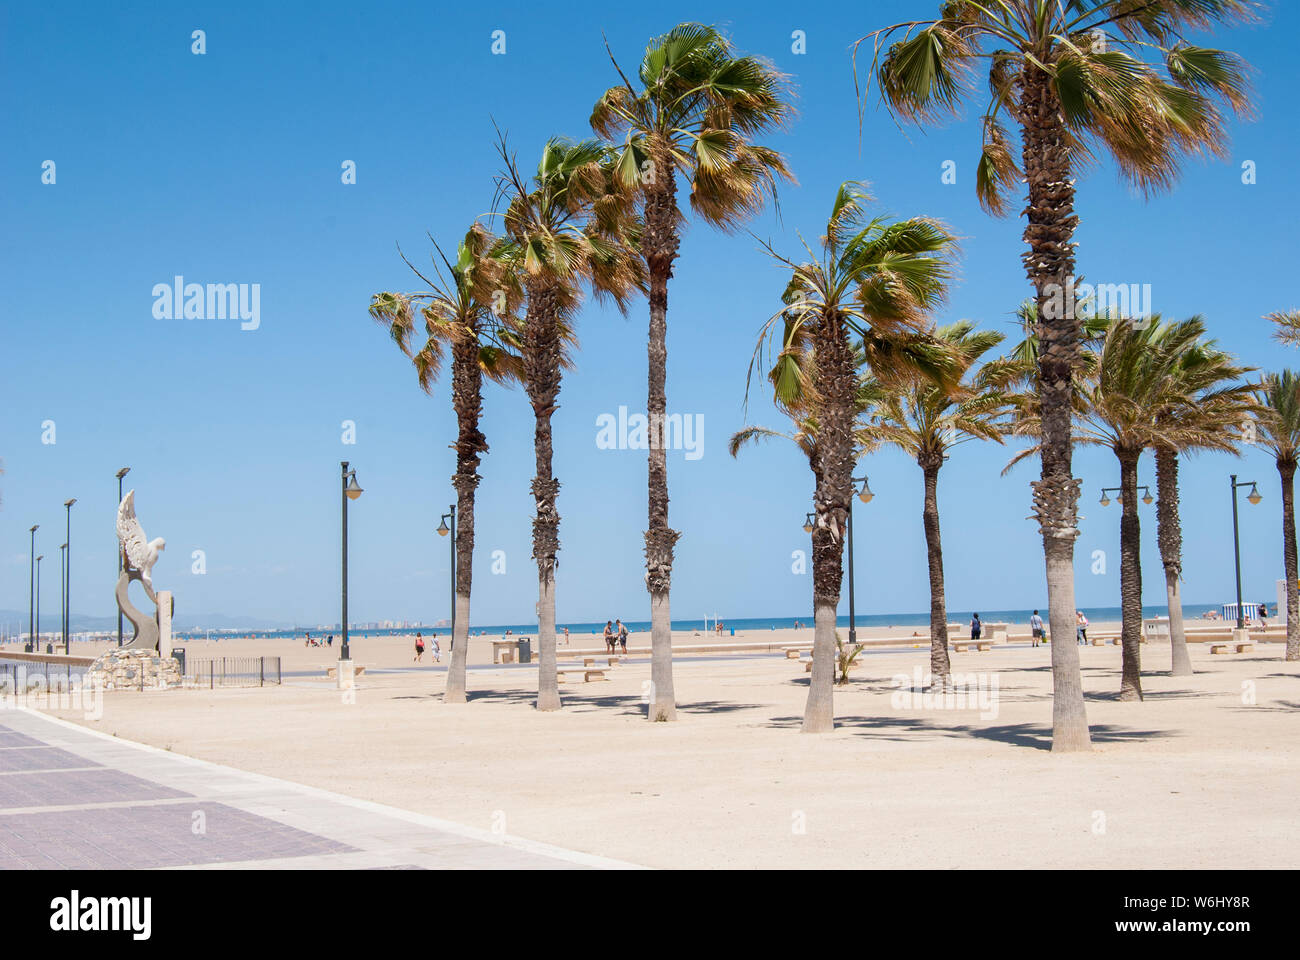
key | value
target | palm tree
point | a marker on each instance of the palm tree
(1288, 326)
(926, 423)
(874, 281)
(568, 226)
(457, 311)
(1207, 404)
(695, 113)
(1078, 79)
(1280, 425)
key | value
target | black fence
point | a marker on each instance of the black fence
(16, 676)
(231, 672)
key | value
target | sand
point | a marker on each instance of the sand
(1203, 773)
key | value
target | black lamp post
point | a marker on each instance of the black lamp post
(30, 646)
(448, 525)
(120, 474)
(67, 573)
(1119, 495)
(1254, 498)
(809, 524)
(865, 496)
(63, 592)
(37, 647)
(350, 492)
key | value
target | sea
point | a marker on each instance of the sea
(743, 624)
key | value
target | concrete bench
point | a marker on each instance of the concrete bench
(332, 672)
(961, 646)
(792, 653)
(1223, 647)
(591, 661)
(1102, 641)
(588, 673)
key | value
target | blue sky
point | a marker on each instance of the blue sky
(225, 168)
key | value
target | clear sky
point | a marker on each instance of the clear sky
(226, 168)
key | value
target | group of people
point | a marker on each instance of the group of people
(318, 642)
(433, 642)
(615, 633)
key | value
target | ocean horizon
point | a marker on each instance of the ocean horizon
(1094, 614)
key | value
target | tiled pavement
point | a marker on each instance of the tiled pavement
(71, 798)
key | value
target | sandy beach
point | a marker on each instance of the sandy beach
(1200, 774)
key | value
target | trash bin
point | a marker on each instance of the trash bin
(178, 653)
(525, 650)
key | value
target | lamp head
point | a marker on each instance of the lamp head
(1148, 499)
(69, 503)
(808, 525)
(1254, 496)
(353, 489)
(443, 529)
(866, 495)
(1105, 500)
(123, 472)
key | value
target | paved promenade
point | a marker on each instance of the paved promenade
(72, 798)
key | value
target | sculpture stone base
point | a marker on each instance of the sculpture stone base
(128, 669)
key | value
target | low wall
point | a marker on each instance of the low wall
(48, 658)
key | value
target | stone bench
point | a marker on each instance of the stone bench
(961, 646)
(332, 672)
(588, 673)
(591, 661)
(1224, 647)
(1102, 641)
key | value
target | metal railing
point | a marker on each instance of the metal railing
(17, 676)
(216, 672)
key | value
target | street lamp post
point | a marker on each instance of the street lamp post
(1254, 498)
(63, 592)
(810, 524)
(445, 526)
(30, 646)
(865, 496)
(67, 573)
(120, 474)
(350, 492)
(37, 647)
(1119, 495)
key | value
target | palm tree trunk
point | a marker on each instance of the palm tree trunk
(1130, 577)
(1286, 468)
(940, 668)
(659, 242)
(1170, 537)
(542, 370)
(835, 383)
(467, 397)
(1049, 265)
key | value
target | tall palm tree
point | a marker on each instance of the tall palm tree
(1080, 78)
(926, 423)
(1280, 425)
(1206, 405)
(458, 315)
(567, 226)
(693, 113)
(873, 281)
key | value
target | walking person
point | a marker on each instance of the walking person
(976, 628)
(436, 649)
(622, 635)
(609, 636)
(566, 636)
(419, 648)
(1036, 628)
(1081, 627)
(1263, 615)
